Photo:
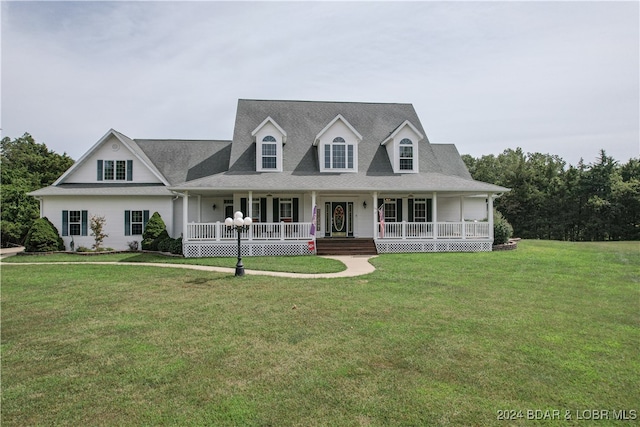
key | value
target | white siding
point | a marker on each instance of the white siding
(87, 171)
(112, 208)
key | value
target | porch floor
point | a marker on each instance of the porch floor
(345, 246)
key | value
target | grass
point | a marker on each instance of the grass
(427, 339)
(300, 264)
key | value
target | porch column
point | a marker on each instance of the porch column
(314, 221)
(434, 214)
(199, 208)
(185, 215)
(490, 215)
(374, 204)
(250, 213)
(464, 228)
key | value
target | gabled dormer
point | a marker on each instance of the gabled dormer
(402, 148)
(270, 138)
(338, 146)
(114, 159)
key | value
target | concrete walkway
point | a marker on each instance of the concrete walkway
(356, 266)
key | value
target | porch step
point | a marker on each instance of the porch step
(345, 246)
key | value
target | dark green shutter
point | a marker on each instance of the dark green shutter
(429, 210)
(263, 209)
(398, 210)
(129, 170)
(295, 209)
(84, 223)
(145, 219)
(127, 223)
(243, 206)
(100, 170)
(65, 223)
(276, 209)
(411, 218)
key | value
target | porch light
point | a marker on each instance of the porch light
(240, 225)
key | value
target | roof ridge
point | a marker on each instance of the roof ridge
(325, 102)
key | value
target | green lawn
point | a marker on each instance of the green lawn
(300, 264)
(427, 339)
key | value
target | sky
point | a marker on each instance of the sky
(558, 78)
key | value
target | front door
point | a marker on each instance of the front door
(339, 219)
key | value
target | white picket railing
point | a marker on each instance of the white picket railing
(258, 231)
(444, 230)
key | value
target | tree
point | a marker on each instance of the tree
(26, 166)
(154, 232)
(97, 230)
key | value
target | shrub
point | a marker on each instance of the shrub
(162, 242)
(43, 237)
(133, 246)
(502, 230)
(152, 231)
(176, 246)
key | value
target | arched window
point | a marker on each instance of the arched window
(406, 154)
(269, 152)
(338, 154)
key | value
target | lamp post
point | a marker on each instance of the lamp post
(240, 225)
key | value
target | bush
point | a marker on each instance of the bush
(43, 237)
(176, 246)
(502, 230)
(162, 242)
(152, 231)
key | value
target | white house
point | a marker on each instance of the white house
(367, 170)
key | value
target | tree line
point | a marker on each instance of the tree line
(550, 200)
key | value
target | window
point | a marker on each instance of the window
(338, 154)
(255, 210)
(135, 222)
(286, 210)
(228, 208)
(420, 210)
(74, 223)
(115, 170)
(406, 155)
(269, 153)
(390, 210)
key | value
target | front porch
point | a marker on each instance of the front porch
(291, 239)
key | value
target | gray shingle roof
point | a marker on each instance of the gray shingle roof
(441, 167)
(187, 160)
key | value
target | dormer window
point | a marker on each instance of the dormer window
(338, 154)
(270, 138)
(115, 170)
(338, 146)
(269, 153)
(402, 147)
(406, 155)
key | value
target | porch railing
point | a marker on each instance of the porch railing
(439, 230)
(258, 231)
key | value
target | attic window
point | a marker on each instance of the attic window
(338, 154)
(115, 170)
(269, 153)
(406, 154)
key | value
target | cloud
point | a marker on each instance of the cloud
(549, 76)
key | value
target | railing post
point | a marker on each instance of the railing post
(281, 230)
(464, 230)
(217, 231)
(404, 230)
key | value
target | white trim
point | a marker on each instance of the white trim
(399, 128)
(316, 141)
(116, 134)
(276, 125)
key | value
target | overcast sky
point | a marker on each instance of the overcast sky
(552, 77)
